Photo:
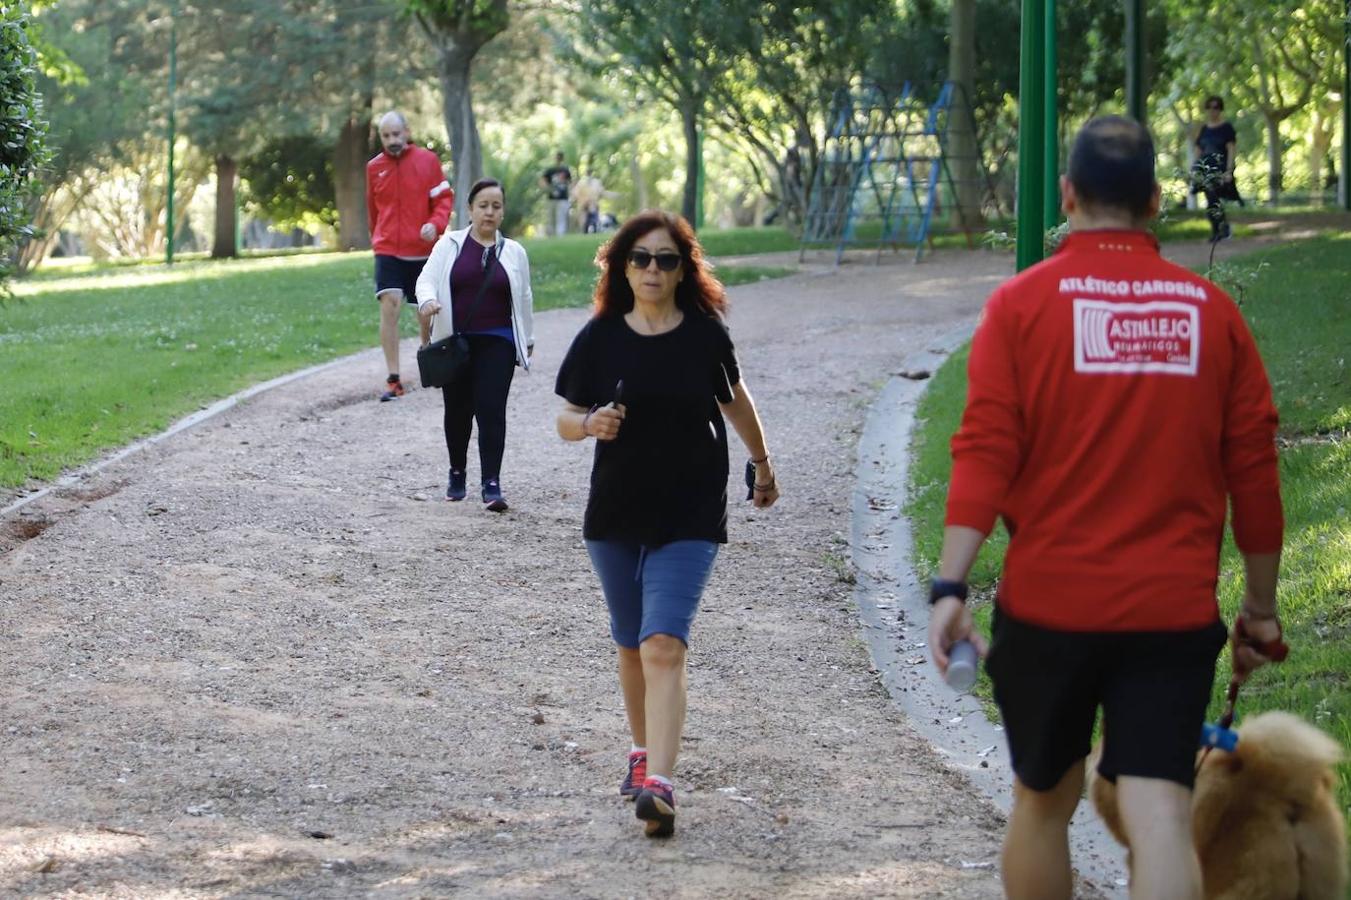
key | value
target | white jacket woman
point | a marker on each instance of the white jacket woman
(434, 284)
(480, 397)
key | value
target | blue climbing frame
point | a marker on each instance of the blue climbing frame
(885, 170)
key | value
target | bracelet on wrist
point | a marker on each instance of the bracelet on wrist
(587, 418)
(763, 459)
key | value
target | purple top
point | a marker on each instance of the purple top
(493, 315)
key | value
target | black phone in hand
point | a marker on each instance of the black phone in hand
(750, 480)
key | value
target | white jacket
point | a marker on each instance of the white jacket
(434, 284)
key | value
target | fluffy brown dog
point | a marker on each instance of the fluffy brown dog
(1264, 818)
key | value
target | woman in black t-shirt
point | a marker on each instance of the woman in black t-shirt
(1213, 172)
(651, 377)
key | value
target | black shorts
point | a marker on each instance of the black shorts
(1153, 687)
(393, 273)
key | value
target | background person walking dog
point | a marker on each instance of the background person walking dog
(651, 377)
(1116, 406)
(408, 202)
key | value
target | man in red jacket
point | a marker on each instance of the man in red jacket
(409, 203)
(1116, 404)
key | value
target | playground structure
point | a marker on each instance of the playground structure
(887, 168)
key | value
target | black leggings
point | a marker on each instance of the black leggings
(481, 396)
(1215, 209)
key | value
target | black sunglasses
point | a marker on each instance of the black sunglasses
(1213, 106)
(667, 262)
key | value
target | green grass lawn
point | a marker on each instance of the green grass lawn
(1298, 304)
(95, 356)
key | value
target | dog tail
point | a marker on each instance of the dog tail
(1290, 742)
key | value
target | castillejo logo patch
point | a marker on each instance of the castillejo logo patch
(1162, 336)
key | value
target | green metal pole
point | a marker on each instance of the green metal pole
(173, 77)
(1050, 124)
(1136, 90)
(1031, 136)
(1346, 110)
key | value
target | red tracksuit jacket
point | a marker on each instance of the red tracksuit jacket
(404, 193)
(1115, 400)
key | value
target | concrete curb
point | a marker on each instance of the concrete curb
(894, 612)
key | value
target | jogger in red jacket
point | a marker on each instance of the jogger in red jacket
(409, 203)
(1116, 405)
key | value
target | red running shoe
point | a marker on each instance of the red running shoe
(393, 389)
(632, 785)
(656, 807)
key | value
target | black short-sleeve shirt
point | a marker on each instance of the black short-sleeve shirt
(664, 478)
(1211, 142)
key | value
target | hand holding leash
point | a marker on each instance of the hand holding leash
(1257, 640)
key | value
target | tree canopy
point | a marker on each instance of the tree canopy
(643, 96)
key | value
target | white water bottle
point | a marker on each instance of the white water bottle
(962, 660)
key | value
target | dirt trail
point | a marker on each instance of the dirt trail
(264, 659)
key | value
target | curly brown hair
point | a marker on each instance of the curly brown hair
(698, 291)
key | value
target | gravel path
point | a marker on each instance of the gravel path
(263, 658)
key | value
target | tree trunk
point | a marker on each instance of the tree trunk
(1275, 174)
(466, 153)
(349, 181)
(1320, 142)
(639, 182)
(224, 244)
(689, 119)
(962, 149)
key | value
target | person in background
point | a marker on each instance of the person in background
(477, 283)
(588, 193)
(1116, 407)
(557, 183)
(651, 378)
(1213, 172)
(408, 203)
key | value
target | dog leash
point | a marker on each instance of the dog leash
(1221, 734)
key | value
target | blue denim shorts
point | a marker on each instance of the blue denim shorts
(652, 590)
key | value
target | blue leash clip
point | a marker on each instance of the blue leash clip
(1217, 736)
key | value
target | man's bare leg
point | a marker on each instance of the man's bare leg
(390, 301)
(1157, 817)
(1036, 859)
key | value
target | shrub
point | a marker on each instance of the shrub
(21, 131)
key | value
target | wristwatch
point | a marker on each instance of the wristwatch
(941, 587)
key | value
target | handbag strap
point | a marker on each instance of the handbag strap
(482, 288)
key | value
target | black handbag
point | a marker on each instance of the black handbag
(444, 362)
